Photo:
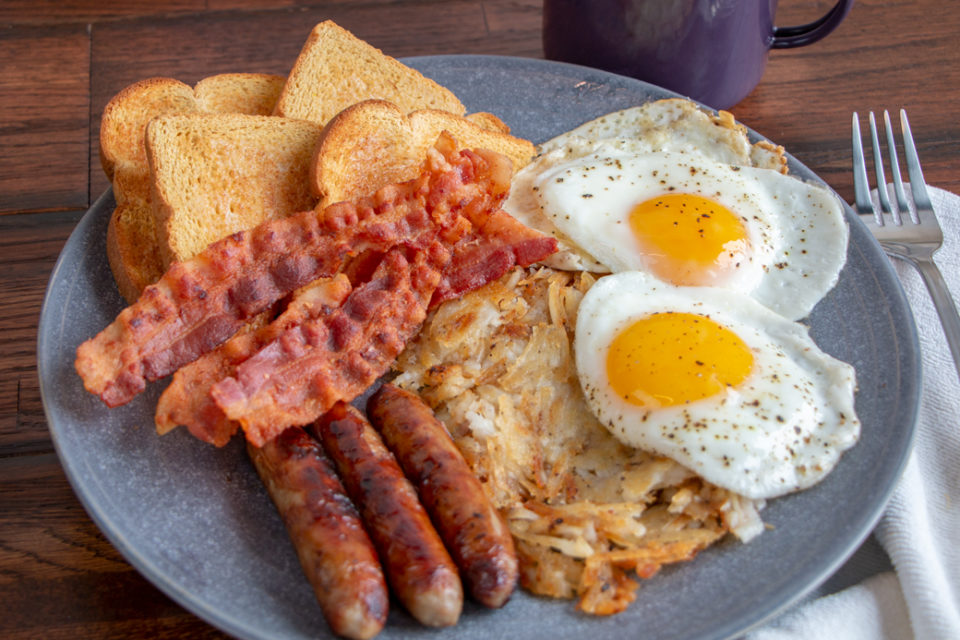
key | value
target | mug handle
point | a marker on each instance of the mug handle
(789, 37)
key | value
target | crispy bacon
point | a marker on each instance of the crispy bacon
(497, 244)
(479, 258)
(200, 303)
(476, 261)
(298, 376)
(186, 401)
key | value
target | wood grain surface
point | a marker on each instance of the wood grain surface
(61, 63)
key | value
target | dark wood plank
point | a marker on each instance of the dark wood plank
(65, 11)
(29, 246)
(54, 560)
(44, 98)
(49, 12)
(224, 5)
(516, 24)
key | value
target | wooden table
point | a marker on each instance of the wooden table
(61, 63)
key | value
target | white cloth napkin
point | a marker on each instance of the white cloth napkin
(920, 529)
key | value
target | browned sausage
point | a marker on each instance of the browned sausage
(471, 527)
(419, 569)
(335, 552)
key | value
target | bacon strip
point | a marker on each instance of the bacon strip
(200, 303)
(186, 401)
(498, 243)
(302, 373)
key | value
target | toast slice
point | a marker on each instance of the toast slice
(488, 121)
(131, 234)
(131, 238)
(255, 94)
(126, 115)
(335, 69)
(374, 143)
(213, 175)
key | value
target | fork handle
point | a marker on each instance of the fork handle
(943, 302)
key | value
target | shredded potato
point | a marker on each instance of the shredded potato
(586, 512)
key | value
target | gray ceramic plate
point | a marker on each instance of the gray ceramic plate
(197, 523)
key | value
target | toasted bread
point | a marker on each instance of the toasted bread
(213, 175)
(488, 121)
(131, 234)
(374, 143)
(126, 115)
(131, 238)
(335, 69)
(255, 94)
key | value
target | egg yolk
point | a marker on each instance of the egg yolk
(689, 240)
(673, 358)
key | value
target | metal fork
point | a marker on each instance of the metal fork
(915, 240)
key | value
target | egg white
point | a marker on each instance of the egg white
(781, 430)
(796, 230)
(672, 124)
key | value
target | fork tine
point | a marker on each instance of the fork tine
(878, 167)
(917, 186)
(860, 181)
(902, 206)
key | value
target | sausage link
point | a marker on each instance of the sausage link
(335, 551)
(473, 530)
(419, 568)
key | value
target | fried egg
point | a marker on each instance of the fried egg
(715, 381)
(690, 221)
(674, 125)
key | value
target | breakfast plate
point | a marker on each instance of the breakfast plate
(196, 521)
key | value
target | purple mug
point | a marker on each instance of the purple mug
(713, 51)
